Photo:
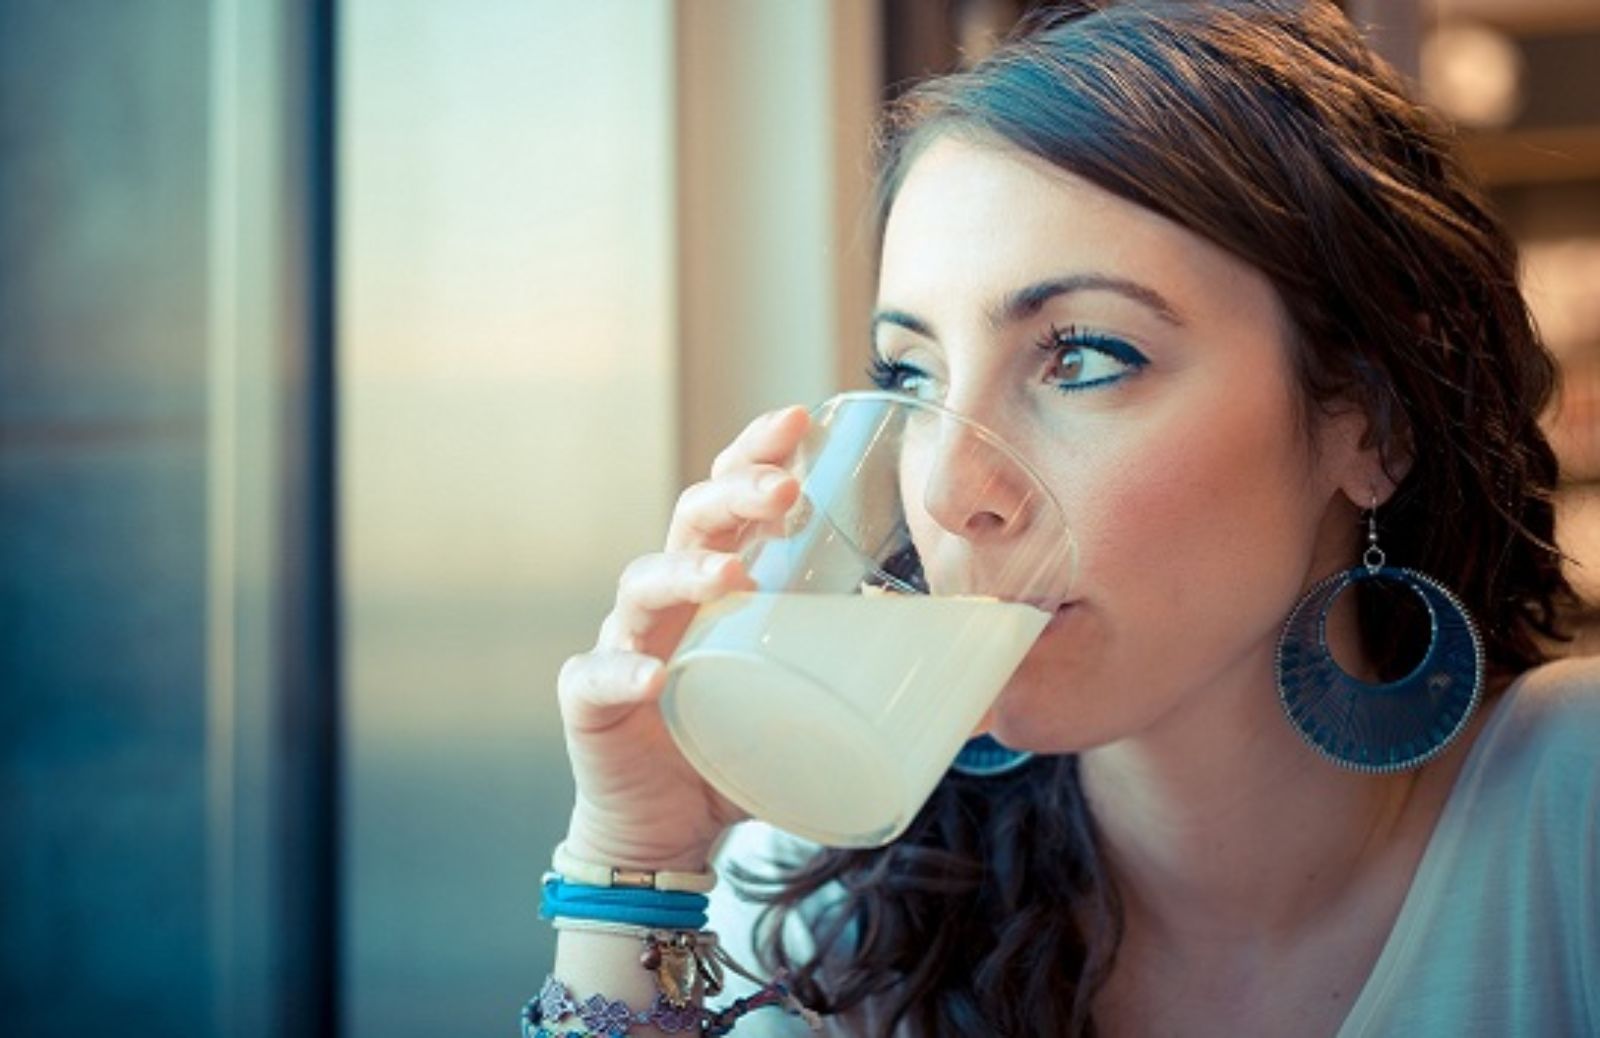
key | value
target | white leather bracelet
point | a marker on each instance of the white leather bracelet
(704, 939)
(593, 874)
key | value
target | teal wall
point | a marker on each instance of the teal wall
(102, 508)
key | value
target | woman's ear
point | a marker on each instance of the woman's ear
(1365, 460)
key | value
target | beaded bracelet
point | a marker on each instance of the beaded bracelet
(595, 875)
(600, 1017)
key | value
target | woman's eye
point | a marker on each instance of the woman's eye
(899, 377)
(1080, 360)
(1077, 360)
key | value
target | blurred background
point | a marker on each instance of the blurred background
(348, 350)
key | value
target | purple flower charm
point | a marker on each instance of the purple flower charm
(605, 1017)
(554, 1001)
(670, 1018)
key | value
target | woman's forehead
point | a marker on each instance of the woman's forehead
(977, 219)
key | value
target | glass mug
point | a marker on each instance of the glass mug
(893, 603)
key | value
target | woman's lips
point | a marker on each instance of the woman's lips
(1058, 617)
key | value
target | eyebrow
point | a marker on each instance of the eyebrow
(1027, 301)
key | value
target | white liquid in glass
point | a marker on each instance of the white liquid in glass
(834, 716)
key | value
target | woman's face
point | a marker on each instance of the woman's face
(1146, 375)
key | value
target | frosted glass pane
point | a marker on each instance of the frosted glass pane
(507, 390)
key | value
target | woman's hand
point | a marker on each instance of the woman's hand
(639, 802)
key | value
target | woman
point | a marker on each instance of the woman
(1227, 287)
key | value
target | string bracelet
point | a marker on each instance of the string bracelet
(597, 926)
(655, 909)
(596, 875)
(775, 992)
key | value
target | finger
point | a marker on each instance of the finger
(771, 438)
(712, 514)
(654, 584)
(597, 689)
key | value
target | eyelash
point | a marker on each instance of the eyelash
(1061, 340)
(891, 375)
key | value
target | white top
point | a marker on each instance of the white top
(1500, 932)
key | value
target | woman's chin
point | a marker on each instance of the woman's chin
(1020, 716)
(1042, 700)
(1038, 711)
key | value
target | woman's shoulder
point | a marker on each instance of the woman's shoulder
(1556, 706)
(1545, 730)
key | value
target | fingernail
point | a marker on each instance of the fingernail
(711, 565)
(774, 417)
(644, 672)
(767, 482)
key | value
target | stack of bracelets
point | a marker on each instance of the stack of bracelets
(666, 913)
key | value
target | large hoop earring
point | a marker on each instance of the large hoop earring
(1390, 726)
(985, 757)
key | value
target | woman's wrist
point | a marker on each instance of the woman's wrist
(633, 925)
(590, 843)
(585, 850)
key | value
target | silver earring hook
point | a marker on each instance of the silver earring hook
(1373, 558)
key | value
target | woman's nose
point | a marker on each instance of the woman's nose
(973, 489)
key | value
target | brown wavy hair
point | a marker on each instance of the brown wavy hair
(1270, 129)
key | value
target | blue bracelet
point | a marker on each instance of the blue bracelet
(557, 885)
(661, 910)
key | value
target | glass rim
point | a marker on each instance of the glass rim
(983, 431)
